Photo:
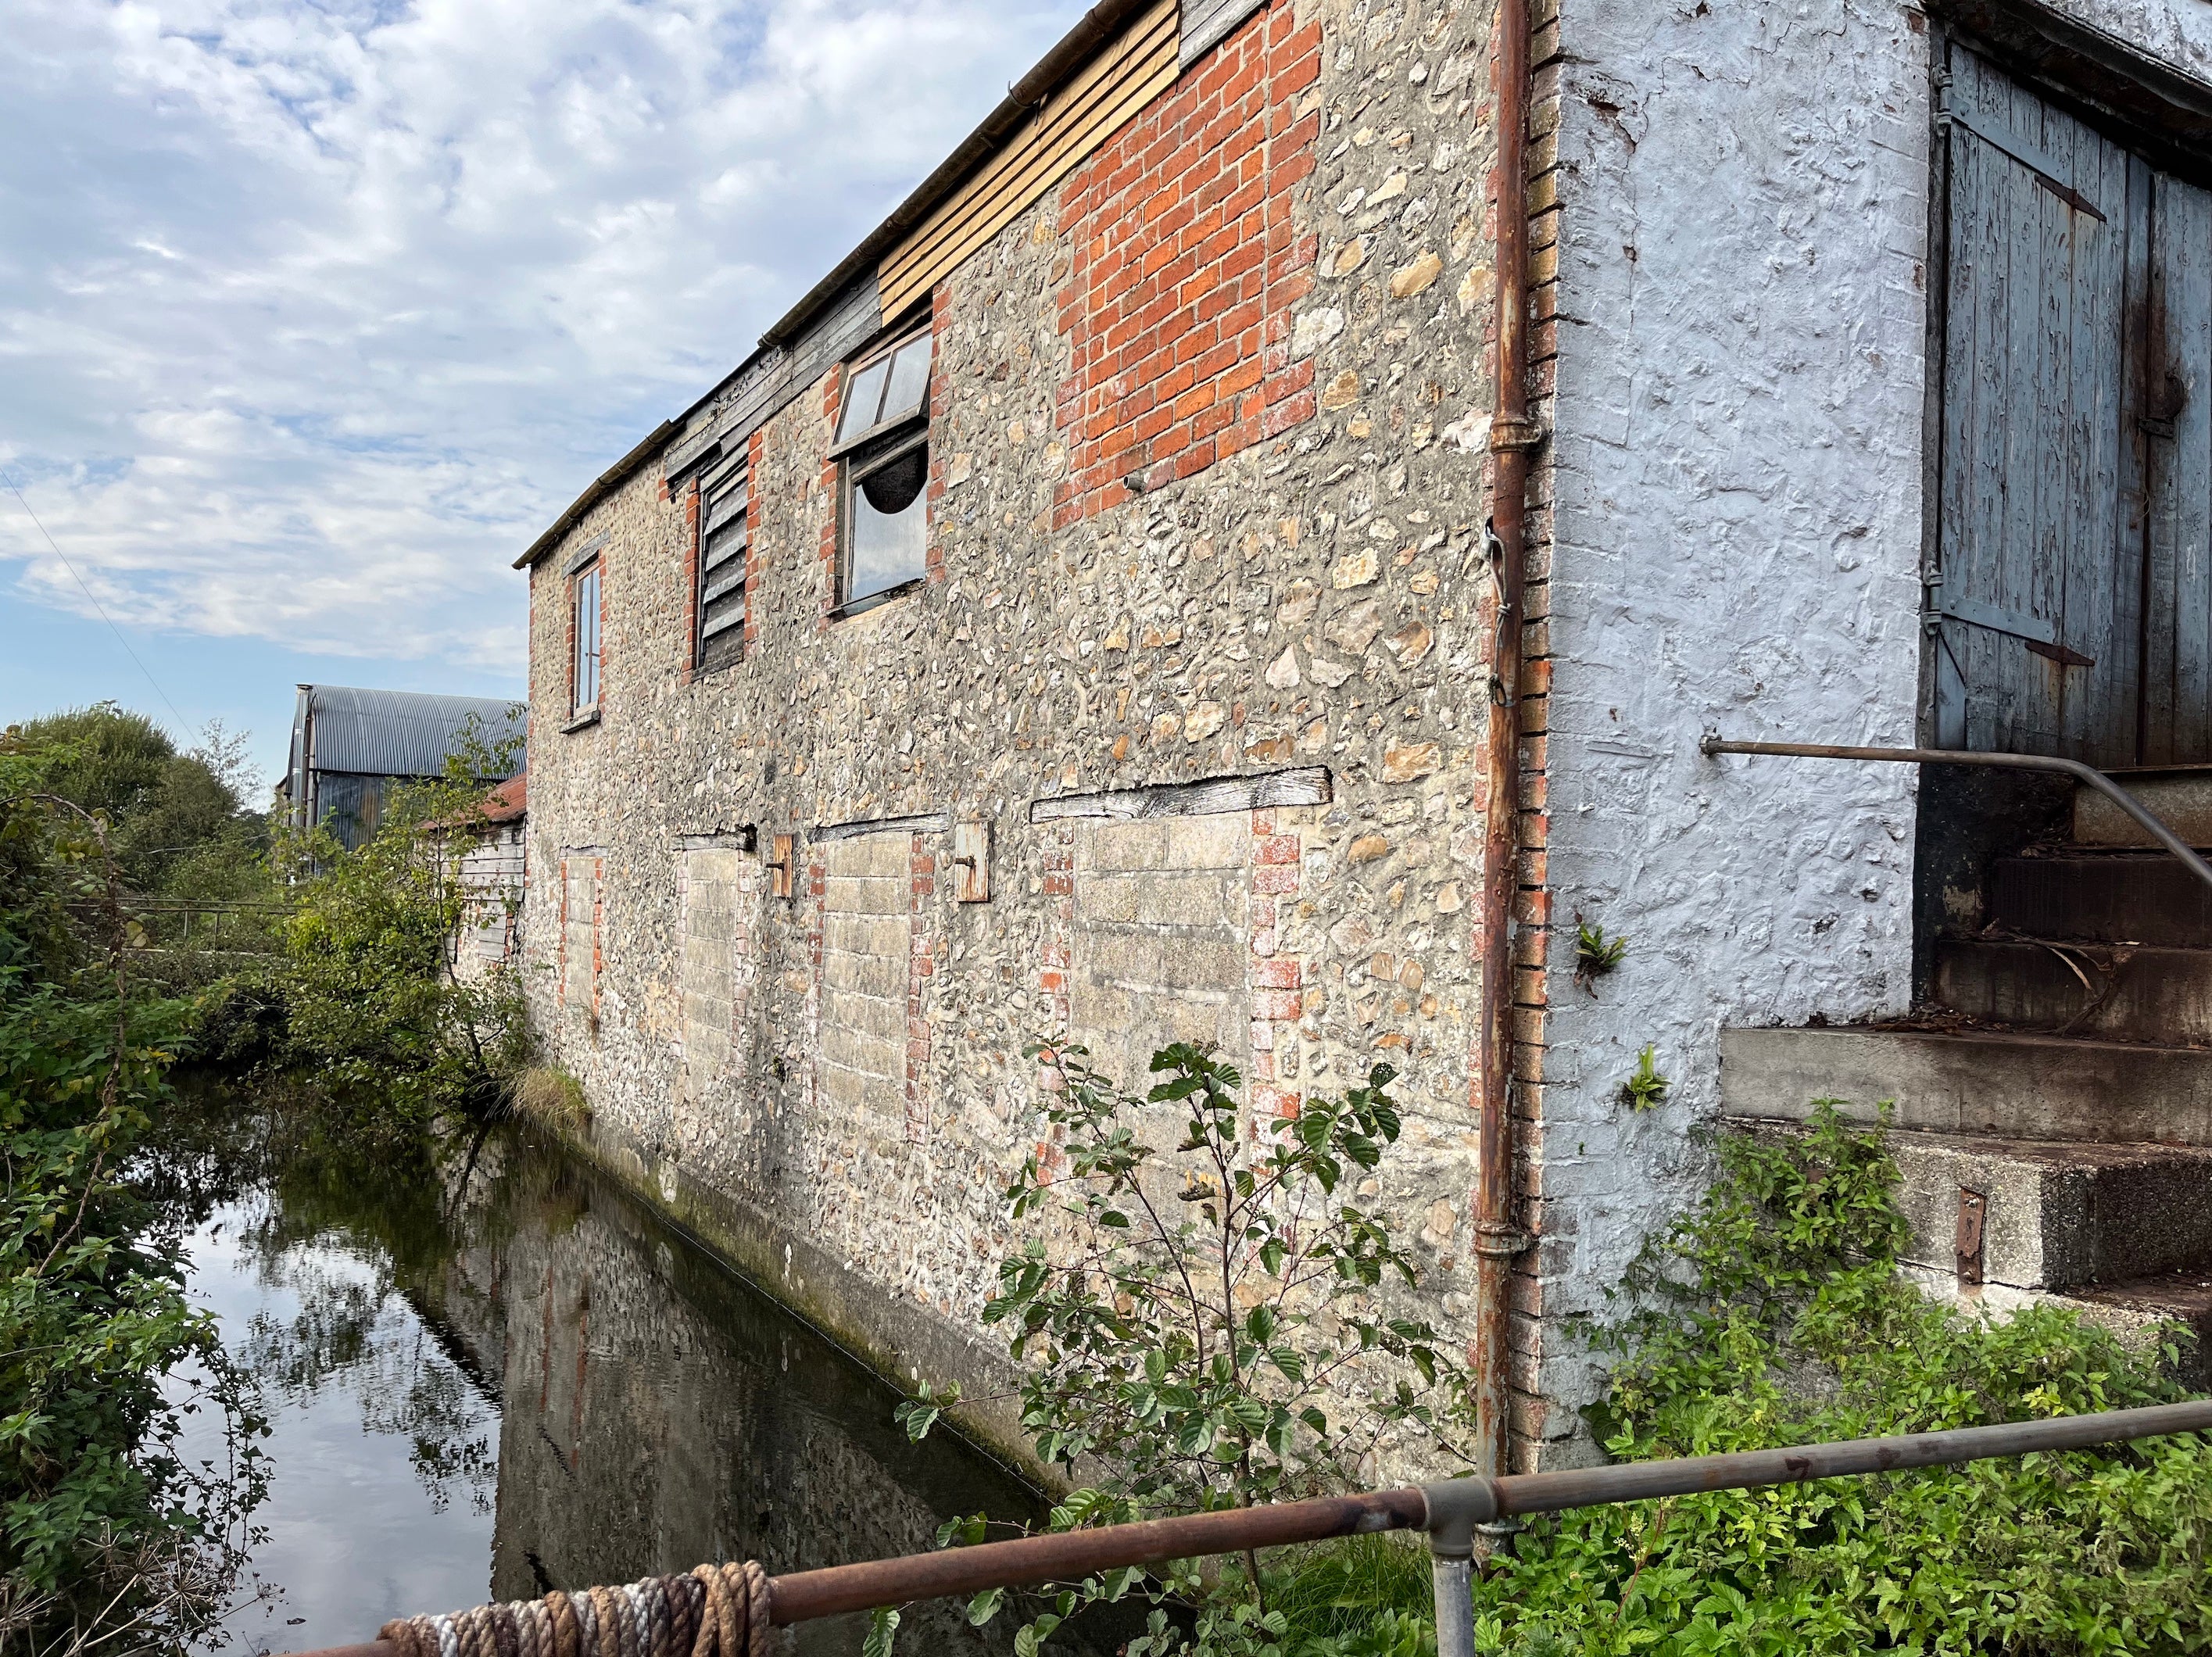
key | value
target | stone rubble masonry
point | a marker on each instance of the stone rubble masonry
(1318, 597)
(1187, 266)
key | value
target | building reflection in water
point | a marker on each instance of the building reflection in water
(653, 1410)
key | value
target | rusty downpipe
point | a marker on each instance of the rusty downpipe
(1513, 435)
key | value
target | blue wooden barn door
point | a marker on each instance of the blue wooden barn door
(2037, 598)
(2176, 423)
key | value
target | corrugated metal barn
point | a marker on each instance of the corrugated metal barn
(350, 746)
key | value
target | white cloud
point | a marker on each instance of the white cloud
(314, 312)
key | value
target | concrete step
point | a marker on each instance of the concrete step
(2181, 799)
(2005, 1085)
(2133, 1308)
(2052, 1214)
(2116, 897)
(2130, 993)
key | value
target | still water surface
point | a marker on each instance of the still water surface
(529, 1381)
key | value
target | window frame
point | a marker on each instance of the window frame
(591, 574)
(869, 450)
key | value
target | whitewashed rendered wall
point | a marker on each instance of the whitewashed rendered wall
(1738, 462)
(1739, 479)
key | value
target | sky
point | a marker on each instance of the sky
(314, 313)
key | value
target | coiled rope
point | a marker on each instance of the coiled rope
(716, 1611)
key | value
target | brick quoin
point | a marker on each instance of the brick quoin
(1186, 265)
(1274, 978)
(940, 411)
(921, 865)
(831, 383)
(691, 667)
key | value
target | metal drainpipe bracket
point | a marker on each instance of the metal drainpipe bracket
(1507, 435)
(1500, 1242)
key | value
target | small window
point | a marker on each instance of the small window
(883, 430)
(583, 627)
(725, 524)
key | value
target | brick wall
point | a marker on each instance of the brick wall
(1187, 264)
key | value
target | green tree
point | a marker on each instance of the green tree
(106, 1532)
(178, 823)
(374, 997)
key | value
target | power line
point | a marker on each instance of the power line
(184, 726)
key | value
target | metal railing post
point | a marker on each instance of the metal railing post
(1455, 1510)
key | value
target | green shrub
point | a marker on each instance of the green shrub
(1207, 1327)
(107, 1534)
(1773, 1315)
(374, 1004)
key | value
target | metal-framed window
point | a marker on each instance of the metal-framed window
(724, 532)
(584, 629)
(883, 447)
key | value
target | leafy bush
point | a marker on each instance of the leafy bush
(1207, 1328)
(373, 999)
(1773, 1315)
(106, 1532)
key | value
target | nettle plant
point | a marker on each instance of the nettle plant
(1204, 1326)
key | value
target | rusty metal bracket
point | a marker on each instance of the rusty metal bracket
(1973, 1214)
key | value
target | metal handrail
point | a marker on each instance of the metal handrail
(1711, 744)
(1449, 1512)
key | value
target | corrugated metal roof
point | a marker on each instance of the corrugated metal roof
(394, 733)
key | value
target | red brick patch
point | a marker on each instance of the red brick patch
(1187, 263)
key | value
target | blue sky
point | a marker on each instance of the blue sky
(312, 312)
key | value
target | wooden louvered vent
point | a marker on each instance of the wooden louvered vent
(724, 521)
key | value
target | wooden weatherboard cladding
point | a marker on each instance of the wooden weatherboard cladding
(767, 384)
(1135, 68)
(1207, 24)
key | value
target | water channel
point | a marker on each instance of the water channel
(491, 1388)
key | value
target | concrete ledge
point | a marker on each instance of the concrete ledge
(893, 1336)
(2059, 1213)
(2008, 1086)
(2182, 800)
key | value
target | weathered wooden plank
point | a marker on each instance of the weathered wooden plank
(2036, 591)
(584, 555)
(745, 838)
(1137, 67)
(1309, 784)
(2176, 429)
(1207, 23)
(928, 823)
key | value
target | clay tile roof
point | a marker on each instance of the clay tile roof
(510, 801)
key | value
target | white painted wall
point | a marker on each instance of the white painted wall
(2177, 33)
(1738, 453)
(1738, 441)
